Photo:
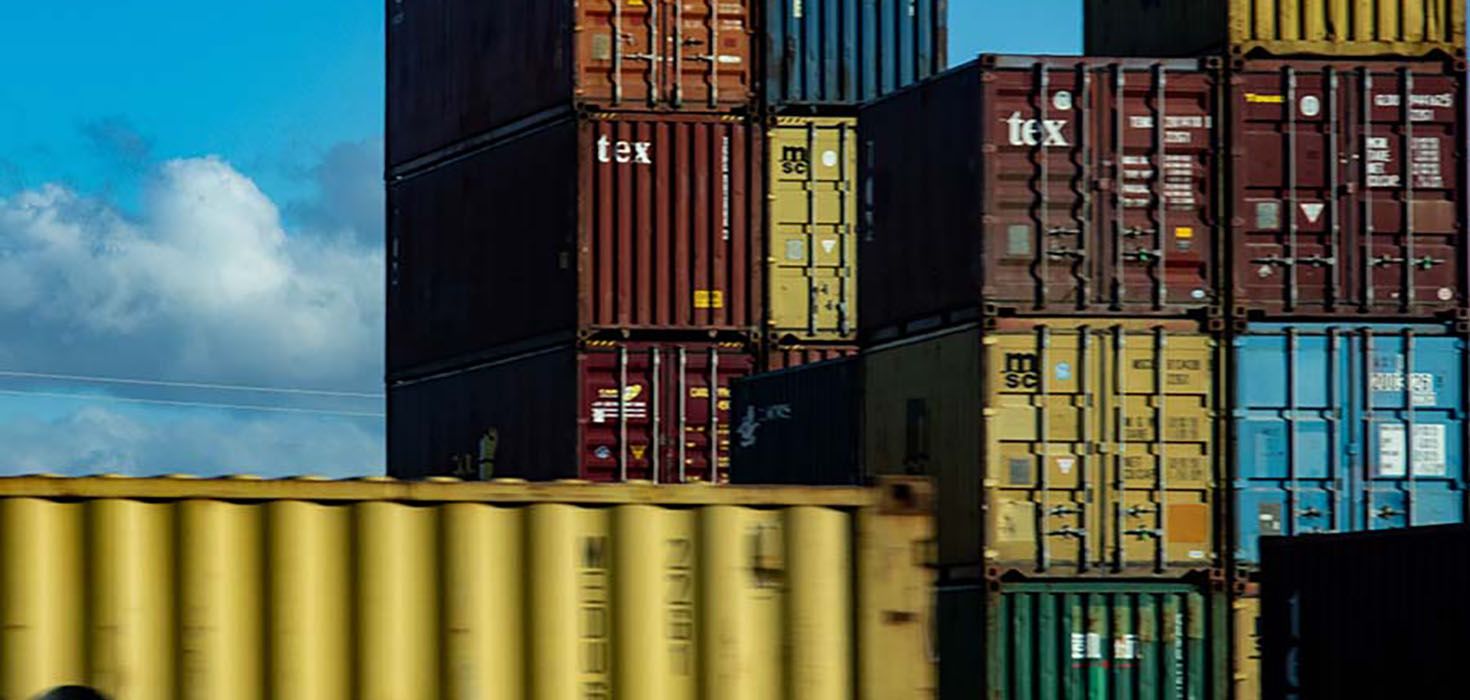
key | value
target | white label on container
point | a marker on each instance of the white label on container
(1086, 646)
(1062, 101)
(1064, 464)
(1421, 386)
(1313, 211)
(1311, 106)
(796, 9)
(1125, 647)
(829, 159)
(1380, 158)
(1429, 450)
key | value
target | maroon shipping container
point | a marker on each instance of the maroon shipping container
(1328, 218)
(778, 356)
(605, 411)
(598, 224)
(1042, 185)
(458, 69)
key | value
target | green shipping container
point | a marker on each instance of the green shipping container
(1042, 640)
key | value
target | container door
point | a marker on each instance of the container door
(1294, 450)
(1411, 424)
(691, 412)
(618, 416)
(1041, 426)
(813, 213)
(1157, 419)
(1156, 141)
(706, 52)
(621, 45)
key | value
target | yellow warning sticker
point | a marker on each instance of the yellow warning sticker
(1183, 232)
(1259, 99)
(709, 299)
(638, 450)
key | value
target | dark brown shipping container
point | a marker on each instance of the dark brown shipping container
(1042, 185)
(599, 224)
(778, 357)
(458, 69)
(605, 411)
(1322, 196)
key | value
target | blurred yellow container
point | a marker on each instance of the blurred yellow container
(1247, 648)
(177, 588)
(1300, 28)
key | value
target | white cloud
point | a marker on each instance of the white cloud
(205, 284)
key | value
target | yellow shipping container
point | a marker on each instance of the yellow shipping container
(1247, 648)
(812, 273)
(175, 588)
(1284, 28)
(1060, 447)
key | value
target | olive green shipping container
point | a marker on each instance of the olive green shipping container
(1043, 640)
(1060, 447)
(153, 589)
(1282, 28)
(812, 275)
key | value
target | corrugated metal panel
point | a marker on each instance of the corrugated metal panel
(1363, 615)
(1409, 28)
(799, 426)
(846, 52)
(1091, 452)
(812, 226)
(1247, 652)
(1314, 454)
(150, 589)
(603, 223)
(1042, 185)
(610, 411)
(1043, 640)
(459, 69)
(1332, 164)
(779, 357)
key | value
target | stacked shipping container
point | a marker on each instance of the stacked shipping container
(601, 212)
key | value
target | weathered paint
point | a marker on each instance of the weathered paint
(1099, 641)
(1347, 188)
(1402, 28)
(1061, 446)
(610, 224)
(1042, 185)
(604, 411)
(151, 589)
(778, 356)
(812, 225)
(826, 53)
(1313, 453)
(461, 70)
(799, 426)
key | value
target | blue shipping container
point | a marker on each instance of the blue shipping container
(846, 52)
(1328, 421)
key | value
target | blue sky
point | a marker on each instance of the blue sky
(189, 192)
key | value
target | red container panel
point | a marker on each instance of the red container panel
(1347, 188)
(1042, 185)
(459, 69)
(778, 357)
(606, 412)
(596, 224)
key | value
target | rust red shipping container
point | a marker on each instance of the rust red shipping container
(595, 225)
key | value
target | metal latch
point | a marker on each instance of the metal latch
(1423, 263)
(1065, 254)
(1069, 531)
(1137, 511)
(1144, 255)
(1144, 533)
(1064, 510)
(1388, 512)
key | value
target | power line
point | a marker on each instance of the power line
(190, 404)
(188, 385)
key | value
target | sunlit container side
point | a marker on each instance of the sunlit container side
(799, 426)
(1365, 614)
(459, 70)
(1332, 163)
(1041, 185)
(602, 411)
(1327, 419)
(1060, 447)
(609, 224)
(1389, 28)
(841, 53)
(778, 356)
(1073, 639)
(301, 589)
(1246, 655)
(812, 224)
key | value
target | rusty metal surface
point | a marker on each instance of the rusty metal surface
(1042, 185)
(609, 411)
(598, 224)
(780, 356)
(457, 69)
(1333, 162)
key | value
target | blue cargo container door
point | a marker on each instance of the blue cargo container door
(1313, 453)
(846, 52)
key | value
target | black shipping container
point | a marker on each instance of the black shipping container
(1362, 615)
(798, 426)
